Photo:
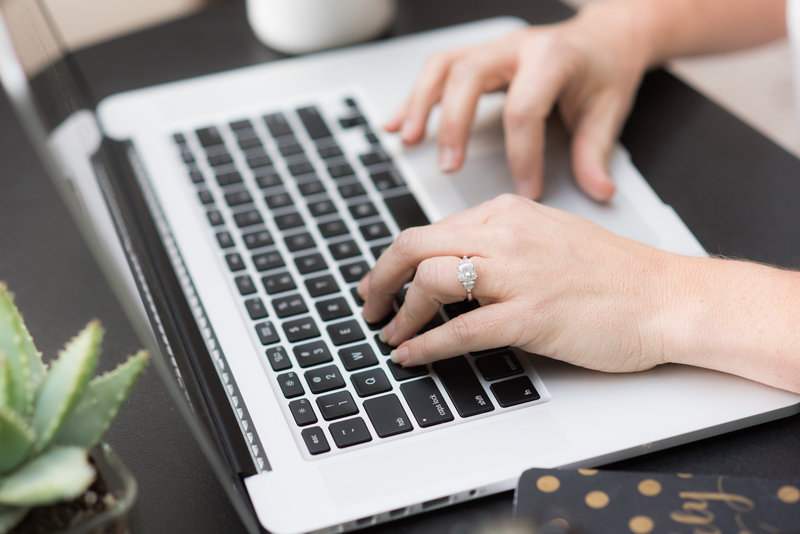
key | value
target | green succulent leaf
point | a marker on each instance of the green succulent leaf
(60, 473)
(16, 439)
(95, 411)
(26, 369)
(64, 384)
(10, 516)
(5, 393)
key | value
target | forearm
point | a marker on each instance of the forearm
(738, 317)
(670, 28)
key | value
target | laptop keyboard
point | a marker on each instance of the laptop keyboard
(299, 216)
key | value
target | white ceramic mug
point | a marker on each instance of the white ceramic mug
(300, 26)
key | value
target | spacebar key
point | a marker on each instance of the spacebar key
(406, 211)
(426, 402)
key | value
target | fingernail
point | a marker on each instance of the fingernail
(447, 159)
(387, 331)
(407, 130)
(399, 356)
(525, 189)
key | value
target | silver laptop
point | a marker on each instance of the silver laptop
(234, 215)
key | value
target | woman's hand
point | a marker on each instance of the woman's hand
(591, 66)
(548, 282)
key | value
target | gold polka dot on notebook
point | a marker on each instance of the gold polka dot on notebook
(560, 522)
(548, 483)
(597, 499)
(684, 475)
(789, 494)
(641, 524)
(649, 487)
(587, 472)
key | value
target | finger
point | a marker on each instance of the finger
(484, 328)
(593, 139)
(531, 97)
(435, 283)
(396, 122)
(489, 209)
(397, 264)
(426, 93)
(469, 77)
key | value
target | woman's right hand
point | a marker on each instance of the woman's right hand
(590, 65)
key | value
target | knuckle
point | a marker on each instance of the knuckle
(518, 113)
(407, 241)
(437, 61)
(427, 276)
(461, 330)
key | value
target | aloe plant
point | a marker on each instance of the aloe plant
(51, 416)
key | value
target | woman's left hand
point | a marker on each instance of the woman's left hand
(548, 282)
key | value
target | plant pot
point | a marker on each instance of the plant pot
(102, 509)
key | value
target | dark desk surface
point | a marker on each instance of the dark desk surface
(737, 191)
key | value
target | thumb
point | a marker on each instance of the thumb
(593, 140)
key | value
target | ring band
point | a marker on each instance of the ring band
(467, 275)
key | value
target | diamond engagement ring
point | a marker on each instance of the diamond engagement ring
(467, 275)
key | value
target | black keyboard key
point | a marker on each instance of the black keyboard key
(500, 365)
(258, 239)
(289, 220)
(377, 250)
(401, 373)
(387, 416)
(278, 359)
(363, 209)
(353, 272)
(228, 178)
(312, 187)
(196, 177)
(357, 357)
(345, 332)
(336, 405)
(313, 353)
(463, 386)
(255, 308)
(374, 158)
(215, 218)
(264, 261)
(301, 167)
(371, 138)
(224, 239)
(352, 122)
(267, 177)
(322, 285)
(187, 156)
(351, 190)
(234, 261)
(278, 199)
(406, 211)
(385, 348)
(290, 385)
(290, 149)
(329, 151)
(242, 124)
(458, 308)
(351, 102)
(247, 218)
(266, 333)
(289, 306)
(209, 136)
(333, 228)
(340, 170)
(426, 402)
(300, 329)
(179, 138)
(344, 249)
(310, 263)
(246, 143)
(514, 391)
(324, 379)
(376, 230)
(356, 297)
(277, 125)
(385, 180)
(370, 382)
(334, 308)
(299, 241)
(315, 440)
(278, 283)
(205, 196)
(303, 412)
(313, 122)
(254, 161)
(322, 207)
(237, 198)
(219, 159)
(350, 432)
